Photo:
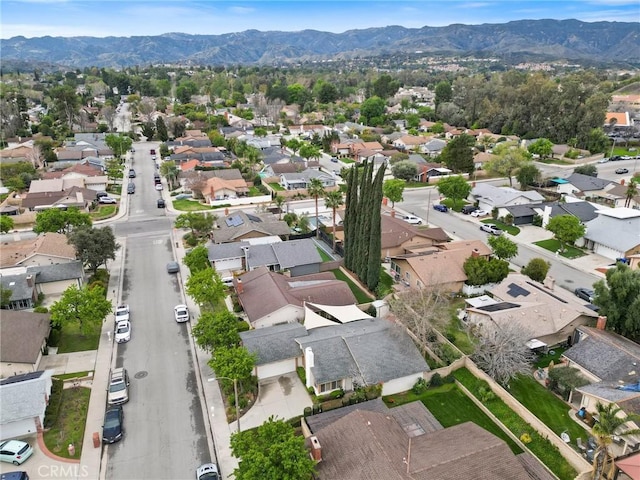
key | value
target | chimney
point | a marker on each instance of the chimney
(316, 449)
(550, 282)
(239, 286)
(475, 253)
(601, 323)
(30, 280)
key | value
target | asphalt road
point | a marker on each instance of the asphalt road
(417, 201)
(165, 435)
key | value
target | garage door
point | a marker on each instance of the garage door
(276, 369)
(17, 429)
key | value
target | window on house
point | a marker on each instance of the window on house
(329, 386)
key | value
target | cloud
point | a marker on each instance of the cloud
(242, 10)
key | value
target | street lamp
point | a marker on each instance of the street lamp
(235, 392)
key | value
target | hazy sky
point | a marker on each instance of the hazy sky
(102, 18)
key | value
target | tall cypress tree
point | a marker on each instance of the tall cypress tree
(375, 232)
(364, 224)
(349, 222)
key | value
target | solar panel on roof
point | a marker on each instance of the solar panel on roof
(496, 307)
(229, 221)
(516, 290)
(21, 378)
(253, 218)
(234, 221)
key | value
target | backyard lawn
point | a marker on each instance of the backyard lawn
(324, 255)
(70, 424)
(361, 297)
(276, 186)
(452, 407)
(553, 245)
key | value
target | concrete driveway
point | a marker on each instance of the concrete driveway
(283, 397)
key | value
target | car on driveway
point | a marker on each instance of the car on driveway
(173, 267)
(15, 451)
(208, 471)
(491, 228)
(113, 429)
(467, 209)
(441, 208)
(118, 392)
(585, 294)
(107, 200)
(479, 213)
(412, 219)
(123, 331)
(122, 313)
(181, 312)
(622, 170)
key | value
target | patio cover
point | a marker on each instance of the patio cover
(630, 466)
(535, 343)
(342, 314)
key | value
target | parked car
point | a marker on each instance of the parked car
(161, 203)
(181, 313)
(173, 267)
(123, 332)
(441, 208)
(131, 188)
(132, 173)
(15, 451)
(622, 170)
(479, 213)
(113, 428)
(158, 186)
(491, 228)
(14, 476)
(101, 194)
(585, 294)
(118, 387)
(208, 471)
(107, 200)
(603, 160)
(122, 313)
(334, 159)
(412, 219)
(467, 209)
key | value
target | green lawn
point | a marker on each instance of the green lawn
(324, 255)
(555, 161)
(347, 160)
(254, 192)
(361, 297)
(510, 229)
(540, 446)
(452, 407)
(276, 186)
(103, 211)
(70, 425)
(459, 337)
(385, 285)
(547, 407)
(71, 340)
(543, 360)
(553, 245)
(67, 376)
(416, 185)
(186, 205)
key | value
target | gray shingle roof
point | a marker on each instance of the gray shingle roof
(22, 334)
(626, 232)
(583, 210)
(261, 255)
(57, 272)
(268, 225)
(586, 183)
(502, 196)
(222, 251)
(19, 286)
(26, 399)
(296, 252)
(275, 343)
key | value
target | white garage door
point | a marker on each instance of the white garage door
(276, 369)
(17, 429)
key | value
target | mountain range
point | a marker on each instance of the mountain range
(603, 42)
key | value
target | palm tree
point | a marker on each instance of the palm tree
(632, 191)
(608, 425)
(316, 189)
(334, 200)
(279, 201)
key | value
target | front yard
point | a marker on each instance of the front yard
(186, 205)
(69, 425)
(553, 245)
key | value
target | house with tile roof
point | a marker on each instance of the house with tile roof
(71, 197)
(625, 222)
(23, 339)
(239, 226)
(221, 189)
(24, 399)
(366, 444)
(411, 143)
(617, 120)
(301, 180)
(550, 314)
(269, 298)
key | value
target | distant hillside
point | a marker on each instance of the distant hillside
(608, 42)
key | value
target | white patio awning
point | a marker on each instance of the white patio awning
(535, 343)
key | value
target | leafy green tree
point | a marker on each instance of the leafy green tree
(385, 86)
(66, 104)
(294, 145)
(271, 452)
(205, 287)
(587, 169)
(372, 108)
(308, 151)
(197, 259)
(325, 92)
(611, 421)
(119, 144)
(542, 147)
(618, 297)
(170, 171)
(527, 174)
(298, 94)
(597, 141)
(94, 246)
(232, 362)
(6, 223)
(161, 130)
(114, 169)
(480, 271)
(61, 221)
(333, 200)
(216, 330)
(404, 170)
(148, 130)
(458, 154)
(566, 229)
(443, 93)
(536, 269)
(5, 297)
(393, 190)
(456, 188)
(315, 189)
(507, 160)
(200, 224)
(86, 306)
(502, 247)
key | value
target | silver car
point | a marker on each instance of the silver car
(118, 387)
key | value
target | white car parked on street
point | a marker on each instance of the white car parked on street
(123, 332)
(181, 313)
(122, 313)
